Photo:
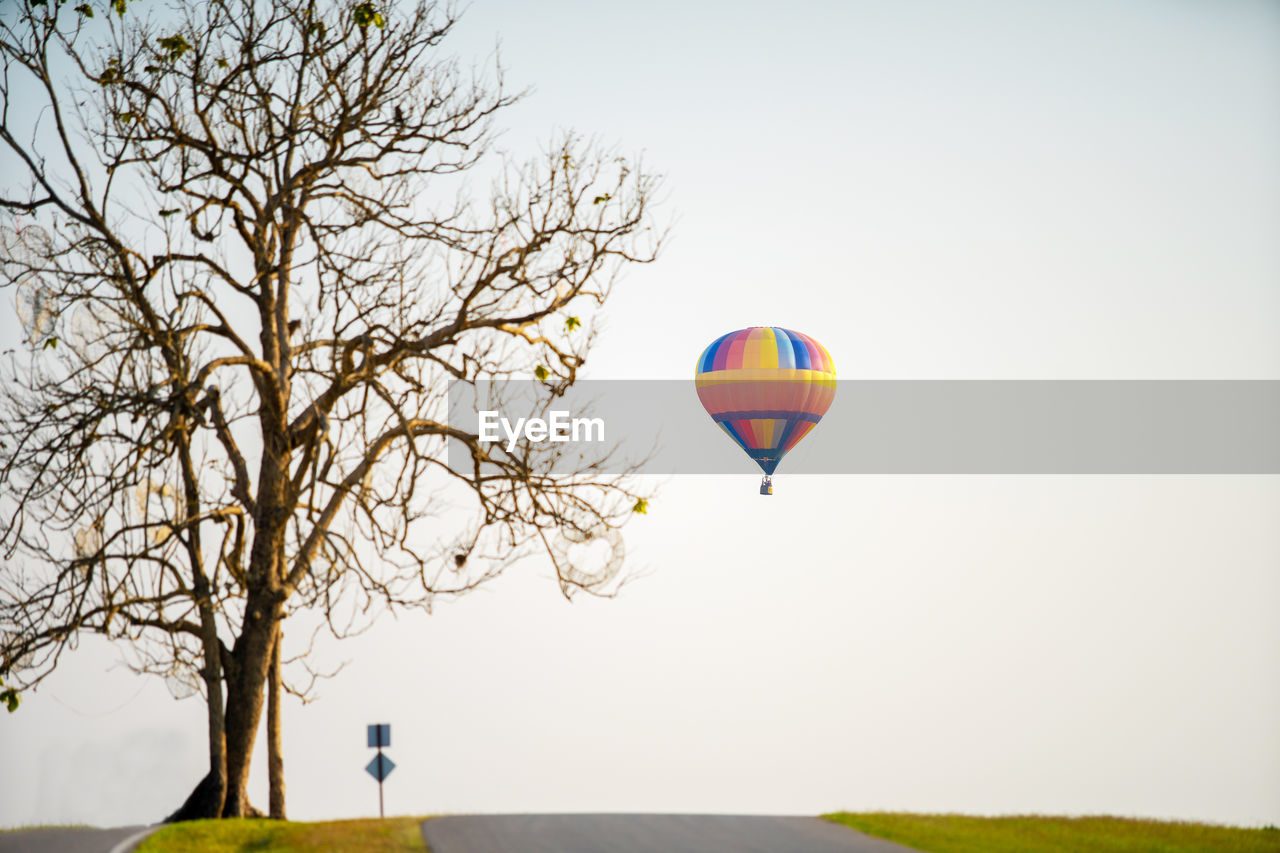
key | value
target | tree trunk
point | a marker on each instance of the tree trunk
(216, 717)
(208, 797)
(245, 688)
(207, 800)
(264, 609)
(275, 754)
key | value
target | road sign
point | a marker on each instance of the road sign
(381, 766)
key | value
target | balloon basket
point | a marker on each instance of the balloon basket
(766, 486)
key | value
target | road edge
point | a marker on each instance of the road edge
(131, 843)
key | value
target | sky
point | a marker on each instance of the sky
(933, 190)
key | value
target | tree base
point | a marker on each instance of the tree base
(206, 802)
(202, 803)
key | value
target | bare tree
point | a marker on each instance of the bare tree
(248, 263)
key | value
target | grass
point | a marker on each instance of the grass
(950, 833)
(393, 835)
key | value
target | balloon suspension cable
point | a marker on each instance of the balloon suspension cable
(766, 485)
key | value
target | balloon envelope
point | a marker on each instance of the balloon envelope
(767, 387)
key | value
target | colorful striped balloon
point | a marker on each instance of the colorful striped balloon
(766, 387)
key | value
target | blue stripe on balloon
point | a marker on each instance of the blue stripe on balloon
(786, 348)
(707, 361)
(735, 435)
(803, 362)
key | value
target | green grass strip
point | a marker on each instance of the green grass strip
(392, 835)
(950, 833)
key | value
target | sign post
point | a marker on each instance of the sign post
(381, 766)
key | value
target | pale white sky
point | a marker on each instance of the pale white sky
(932, 190)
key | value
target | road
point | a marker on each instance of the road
(646, 833)
(73, 840)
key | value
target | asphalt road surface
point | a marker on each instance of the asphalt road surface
(67, 840)
(645, 833)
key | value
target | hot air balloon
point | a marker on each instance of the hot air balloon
(767, 387)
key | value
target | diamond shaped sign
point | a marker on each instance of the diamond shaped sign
(381, 767)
